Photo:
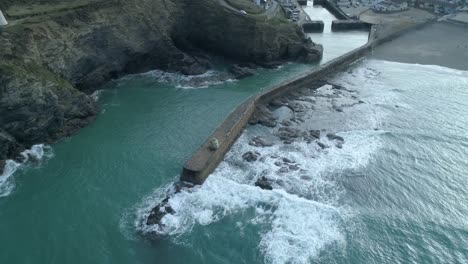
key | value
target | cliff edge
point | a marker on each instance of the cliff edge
(54, 53)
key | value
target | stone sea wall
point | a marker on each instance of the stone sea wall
(204, 161)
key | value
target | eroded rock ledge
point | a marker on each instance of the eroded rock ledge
(55, 53)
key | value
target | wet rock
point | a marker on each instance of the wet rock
(263, 183)
(277, 103)
(182, 185)
(360, 101)
(263, 116)
(2, 166)
(287, 133)
(332, 136)
(278, 163)
(321, 145)
(306, 178)
(297, 107)
(260, 142)
(286, 123)
(283, 170)
(339, 144)
(287, 160)
(159, 211)
(294, 167)
(240, 72)
(338, 109)
(314, 133)
(250, 156)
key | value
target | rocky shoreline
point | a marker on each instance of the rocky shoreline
(50, 61)
(285, 122)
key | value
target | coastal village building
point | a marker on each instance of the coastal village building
(3, 21)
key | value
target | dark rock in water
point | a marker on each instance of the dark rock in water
(288, 141)
(240, 72)
(283, 170)
(314, 133)
(306, 178)
(158, 212)
(263, 183)
(263, 116)
(260, 142)
(270, 65)
(338, 109)
(332, 136)
(287, 133)
(294, 167)
(182, 185)
(278, 163)
(286, 123)
(297, 107)
(2, 166)
(360, 101)
(287, 160)
(277, 103)
(339, 144)
(250, 156)
(8, 148)
(320, 144)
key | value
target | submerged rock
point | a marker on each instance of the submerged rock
(240, 72)
(263, 116)
(264, 183)
(159, 211)
(314, 133)
(260, 142)
(288, 133)
(321, 145)
(332, 136)
(250, 156)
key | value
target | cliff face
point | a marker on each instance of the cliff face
(49, 60)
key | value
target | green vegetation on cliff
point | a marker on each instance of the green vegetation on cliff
(53, 52)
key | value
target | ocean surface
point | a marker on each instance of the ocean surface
(394, 193)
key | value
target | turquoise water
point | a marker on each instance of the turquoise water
(82, 200)
(394, 193)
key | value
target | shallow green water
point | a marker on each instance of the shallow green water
(78, 204)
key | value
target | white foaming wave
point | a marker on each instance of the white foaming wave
(299, 225)
(415, 66)
(35, 154)
(96, 95)
(182, 81)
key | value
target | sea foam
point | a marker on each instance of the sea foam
(35, 154)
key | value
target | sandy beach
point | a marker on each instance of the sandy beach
(429, 45)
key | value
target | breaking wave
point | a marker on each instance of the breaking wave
(30, 157)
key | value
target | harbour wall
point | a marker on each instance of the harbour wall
(204, 161)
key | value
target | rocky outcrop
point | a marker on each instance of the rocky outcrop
(50, 61)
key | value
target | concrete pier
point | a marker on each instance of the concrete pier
(197, 169)
(313, 26)
(332, 8)
(343, 25)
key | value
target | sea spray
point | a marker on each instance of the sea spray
(33, 156)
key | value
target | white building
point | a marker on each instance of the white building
(3, 21)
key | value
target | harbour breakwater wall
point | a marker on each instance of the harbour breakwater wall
(332, 8)
(204, 161)
(343, 25)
